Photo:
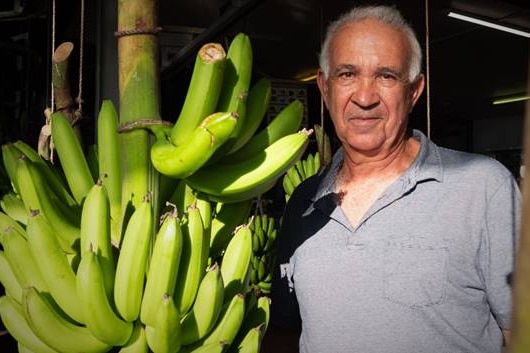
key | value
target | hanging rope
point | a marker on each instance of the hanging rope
(427, 68)
(52, 102)
(44, 142)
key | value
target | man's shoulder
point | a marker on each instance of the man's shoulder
(471, 160)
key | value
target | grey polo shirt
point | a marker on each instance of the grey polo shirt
(427, 269)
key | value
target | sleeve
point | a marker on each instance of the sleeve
(502, 227)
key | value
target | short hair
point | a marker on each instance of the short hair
(385, 14)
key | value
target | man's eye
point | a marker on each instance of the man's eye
(346, 75)
(388, 77)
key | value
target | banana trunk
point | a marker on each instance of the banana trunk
(139, 95)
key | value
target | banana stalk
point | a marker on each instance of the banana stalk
(139, 96)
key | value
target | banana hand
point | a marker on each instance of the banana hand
(250, 178)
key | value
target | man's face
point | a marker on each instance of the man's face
(368, 93)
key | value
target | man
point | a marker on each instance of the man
(399, 246)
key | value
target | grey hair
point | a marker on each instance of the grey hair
(385, 14)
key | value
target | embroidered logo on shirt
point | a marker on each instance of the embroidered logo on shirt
(286, 272)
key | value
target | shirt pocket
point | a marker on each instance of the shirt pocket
(415, 273)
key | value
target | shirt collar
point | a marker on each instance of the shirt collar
(426, 166)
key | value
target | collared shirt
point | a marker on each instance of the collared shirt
(426, 270)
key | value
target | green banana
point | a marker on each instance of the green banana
(10, 156)
(254, 176)
(272, 233)
(264, 286)
(236, 83)
(257, 315)
(7, 223)
(203, 91)
(215, 347)
(95, 232)
(251, 342)
(193, 261)
(230, 321)
(16, 324)
(206, 309)
(93, 160)
(257, 104)
(137, 342)
(257, 232)
(22, 349)
(300, 169)
(294, 175)
(236, 261)
(71, 156)
(205, 209)
(9, 281)
(163, 336)
(262, 268)
(182, 197)
(254, 273)
(56, 331)
(99, 316)
(132, 261)
(53, 265)
(309, 165)
(13, 206)
(163, 267)
(183, 160)
(24, 265)
(227, 217)
(53, 176)
(36, 196)
(287, 121)
(260, 314)
(109, 162)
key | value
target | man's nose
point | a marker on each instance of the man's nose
(365, 93)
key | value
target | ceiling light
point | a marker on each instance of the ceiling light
(511, 99)
(310, 77)
(488, 24)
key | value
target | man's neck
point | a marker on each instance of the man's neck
(358, 167)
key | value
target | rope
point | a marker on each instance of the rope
(427, 69)
(52, 99)
(134, 31)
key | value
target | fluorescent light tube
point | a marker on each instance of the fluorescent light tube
(511, 99)
(488, 24)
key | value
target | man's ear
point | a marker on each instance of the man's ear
(322, 86)
(416, 89)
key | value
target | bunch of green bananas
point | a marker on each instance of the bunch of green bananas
(79, 276)
(264, 235)
(217, 132)
(69, 290)
(310, 165)
(300, 171)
